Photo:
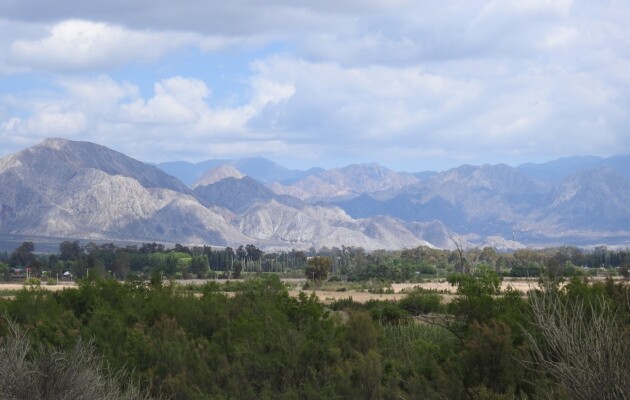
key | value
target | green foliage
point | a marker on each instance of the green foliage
(489, 355)
(5, 271)
(318, 268)
(40, 373)
(422, 302)
(387, 312)
(475, 301)
(23, 255)
(257, 342)
(32, 282)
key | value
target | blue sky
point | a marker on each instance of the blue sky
(411, 85)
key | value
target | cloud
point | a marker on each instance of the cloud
(374, 111)
(80, 45)
(176, 101)
(233, 18)
(176, 116)
(46, 123)
(330, 81)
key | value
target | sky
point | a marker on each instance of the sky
(412, 85)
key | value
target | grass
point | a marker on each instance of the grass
(363, 286)
(8, 292)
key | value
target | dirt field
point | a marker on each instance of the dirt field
(327, 297)
(447, 291)
(18, 286)
(521, 285)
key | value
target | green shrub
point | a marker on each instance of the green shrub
(421, 302)
(33, 282)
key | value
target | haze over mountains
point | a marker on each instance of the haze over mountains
(81, 190)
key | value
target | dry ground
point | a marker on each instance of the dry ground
(521, 285)
(327, 297)
(18, 286)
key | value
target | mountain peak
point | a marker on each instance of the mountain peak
(217, 174)
(54, 143)
(60, 159)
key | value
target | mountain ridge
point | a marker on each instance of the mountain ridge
(63, 188)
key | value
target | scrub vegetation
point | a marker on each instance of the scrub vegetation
(569, 339)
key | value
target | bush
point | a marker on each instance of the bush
(33, 282)
(26, 373)
(387, 312)
(421, 302)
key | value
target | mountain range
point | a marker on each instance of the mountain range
(79, 190)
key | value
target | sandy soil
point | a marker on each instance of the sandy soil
(523, 285)
(327, 297)
(18, 286)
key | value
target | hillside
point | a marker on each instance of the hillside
(68, 189)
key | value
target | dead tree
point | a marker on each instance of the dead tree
(42, 374)
(582, 345)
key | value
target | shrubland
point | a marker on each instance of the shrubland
(258, 342)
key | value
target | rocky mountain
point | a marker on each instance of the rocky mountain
(596, 200)
(280, 220)
(495, 201)
(54, 161)
(482, 199)
(239, 194)
(217, 174)
(79, 190)
(255, 167)
(282, 226)
(346, 182)
(62, 188)
(557, 170)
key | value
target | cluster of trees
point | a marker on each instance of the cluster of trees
(149, 258)
(422, 262)
(260, 343)
(352, 263)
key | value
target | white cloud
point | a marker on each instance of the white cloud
(176, 101)
(349, 104)
(46, 123)
(349, 80)
(178, 113)
(561, 36)
(79, 45)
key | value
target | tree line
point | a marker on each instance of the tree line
(350, 263)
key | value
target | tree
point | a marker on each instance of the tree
(253, 252)
(181, 249)
(241, 253)
(467, 259)
(317, 268)
(624, 270)
(5, 272)
(199, 265)
(70, 251)
(26, 373)
(120, 266)
(475, 300)
(581, 343)
(489, 256)
(23, 255)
